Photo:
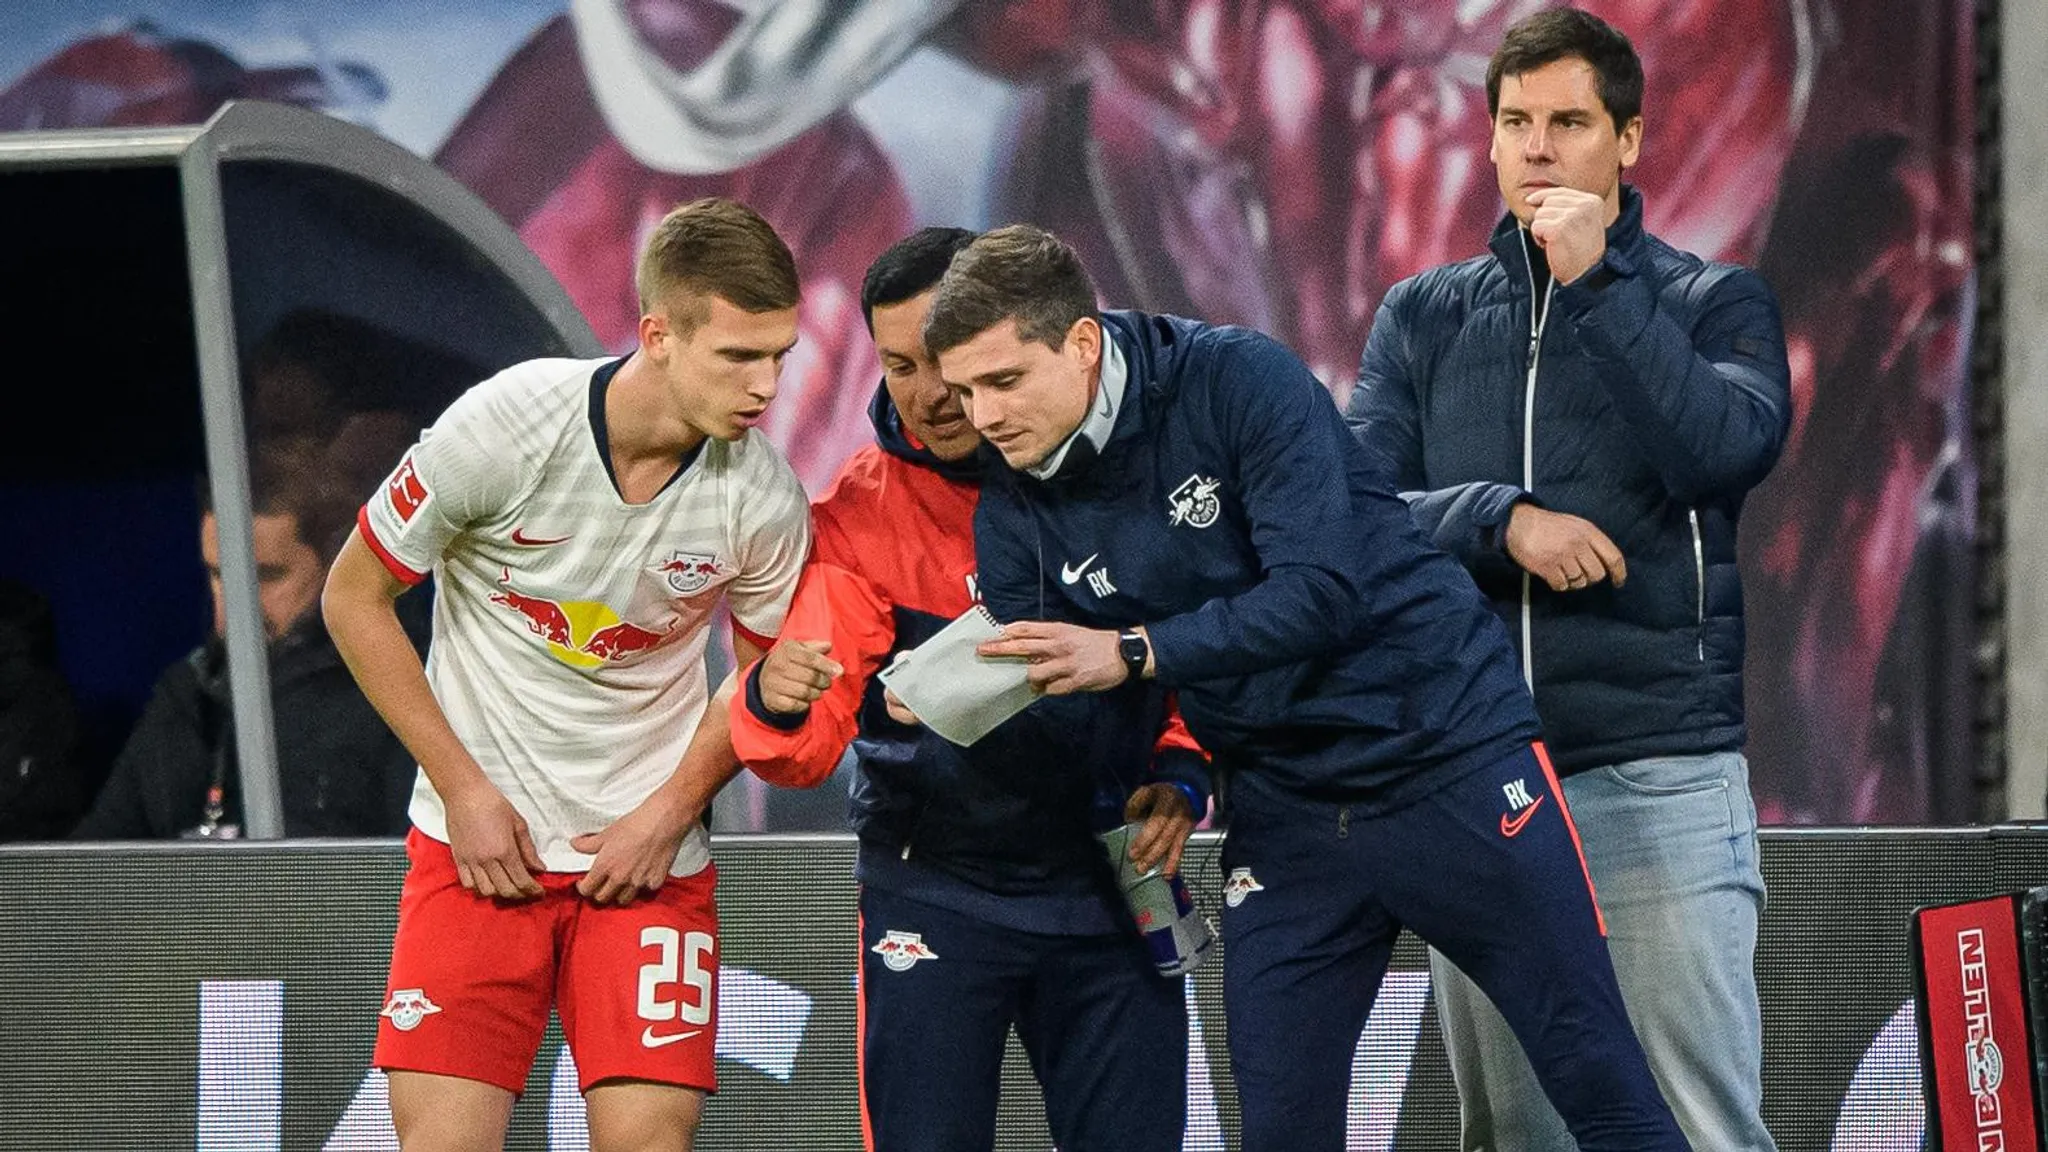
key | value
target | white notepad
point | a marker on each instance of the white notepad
(956, 693)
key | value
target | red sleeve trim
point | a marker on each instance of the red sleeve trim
(1174, 732)
(392, 563)
(764, 643)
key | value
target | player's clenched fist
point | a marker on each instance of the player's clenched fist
(1564, 551)
(795, 673)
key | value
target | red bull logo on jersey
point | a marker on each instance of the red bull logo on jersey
(900, 951)
(688, 572)
(582, 633)
(618, 641)
(544, 618)
(407, 1007)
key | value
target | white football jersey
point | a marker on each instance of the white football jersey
(570, 626)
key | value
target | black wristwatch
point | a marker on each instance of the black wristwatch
(1130, 644)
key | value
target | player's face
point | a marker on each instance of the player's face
(288, 572)
(724, 373)
(1553, 131)
(1023, 397)
(931, 413)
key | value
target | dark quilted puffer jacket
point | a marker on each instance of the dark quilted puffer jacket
(1651, 398)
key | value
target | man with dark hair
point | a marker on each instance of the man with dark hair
(1184, 506)
(583, 520)
(340, 770)
(1577, 417)
(986, 901)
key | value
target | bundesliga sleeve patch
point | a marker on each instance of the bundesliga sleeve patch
(406, 490)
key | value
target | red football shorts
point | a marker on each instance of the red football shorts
(472, 979)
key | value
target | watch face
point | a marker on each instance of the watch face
(1132, 646)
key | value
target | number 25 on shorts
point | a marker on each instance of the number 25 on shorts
(676, 985)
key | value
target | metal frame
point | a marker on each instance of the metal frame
(264, 131)
(2019, 149)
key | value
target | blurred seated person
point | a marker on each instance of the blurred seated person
(341, 771)
(42, 788)
(314, 372)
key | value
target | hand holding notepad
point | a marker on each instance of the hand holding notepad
(958, 694)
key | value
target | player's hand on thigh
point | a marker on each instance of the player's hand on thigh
(493, 849)
(795, 673)
(1168, 819)
(634, 854)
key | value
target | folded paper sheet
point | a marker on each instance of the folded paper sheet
(958, 694)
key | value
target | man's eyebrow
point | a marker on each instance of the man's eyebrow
(753, 351)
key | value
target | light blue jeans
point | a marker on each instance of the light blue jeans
(1671, 844)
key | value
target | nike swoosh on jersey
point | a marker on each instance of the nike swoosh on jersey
(519, 536)
(1072, 572)
(650, 1040)
(1512, 827)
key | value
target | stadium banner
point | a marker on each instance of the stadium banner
(226, 996)
(1277, 163)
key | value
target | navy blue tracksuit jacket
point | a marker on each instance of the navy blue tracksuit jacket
(1312, 632)
(1367, 705)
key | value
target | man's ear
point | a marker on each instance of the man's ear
(654, 331)
(1085, 341)
(1631, 142)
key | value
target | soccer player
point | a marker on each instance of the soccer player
(582, 520)
(985, 900)
(1184, 505)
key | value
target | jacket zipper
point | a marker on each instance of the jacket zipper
(1536, 322)
(1699, 571)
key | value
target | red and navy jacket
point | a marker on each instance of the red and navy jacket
(1003, 830)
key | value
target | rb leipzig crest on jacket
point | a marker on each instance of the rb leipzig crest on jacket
(1194, 503)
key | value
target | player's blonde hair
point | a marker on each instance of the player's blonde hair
(714, 247)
